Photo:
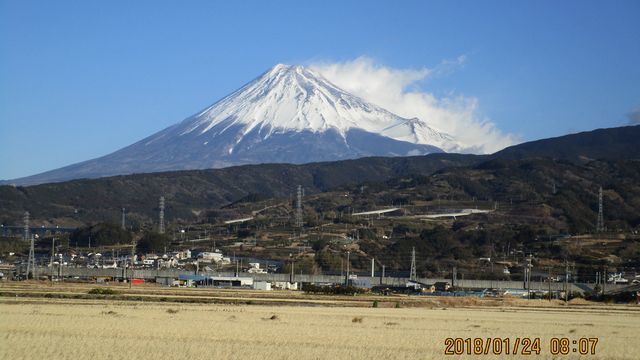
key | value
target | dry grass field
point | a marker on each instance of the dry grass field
(40, 328)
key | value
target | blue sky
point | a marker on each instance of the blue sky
(80, 79)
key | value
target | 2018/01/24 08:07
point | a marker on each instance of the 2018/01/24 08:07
(518, 346)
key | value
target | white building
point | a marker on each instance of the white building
(182, 255)
(211, 256)
(254, 268)
(262, 285)
(285, 285)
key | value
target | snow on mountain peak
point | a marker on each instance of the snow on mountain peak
(295, 98)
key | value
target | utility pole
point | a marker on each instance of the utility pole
(53, 246)
(383, 269)
(549, 280)
(60, 277)
(529, 266)
(291, 277)
(132, 254)
(373, 267)
(412, 275)
(454, 277)
(123, 222)
(347, 278)
(236, 261)
(491, 263)
(566, 280)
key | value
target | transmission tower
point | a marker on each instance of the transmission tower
(412, 275)
(26, 225)
(123, 223)
(31, 262)
(161, 220)
(299, 221)
(600, 224)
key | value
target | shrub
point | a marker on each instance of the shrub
(332, 290)
(102, 291)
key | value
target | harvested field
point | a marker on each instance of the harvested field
(35, 328)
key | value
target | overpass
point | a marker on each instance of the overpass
(238, 221)
(375, 212)
(453, 214)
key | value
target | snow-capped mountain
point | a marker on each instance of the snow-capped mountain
(293, 98)
(289, 114)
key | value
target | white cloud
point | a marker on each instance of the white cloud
(397, 91)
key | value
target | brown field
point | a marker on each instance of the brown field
(320, 327)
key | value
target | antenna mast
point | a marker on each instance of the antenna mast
(26, 225)
(600, 224)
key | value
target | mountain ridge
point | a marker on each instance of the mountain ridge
(605, 143)
(100, 199)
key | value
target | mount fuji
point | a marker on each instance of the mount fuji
(290, 114)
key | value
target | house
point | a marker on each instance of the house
(182, 255)
(254, 268)
(210, 256)
(167, 263)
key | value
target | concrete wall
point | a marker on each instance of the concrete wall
(467, 284)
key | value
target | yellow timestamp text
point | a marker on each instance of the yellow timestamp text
(519, 346)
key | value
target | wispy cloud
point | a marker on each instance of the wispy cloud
(397, 90)
(634, 116)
